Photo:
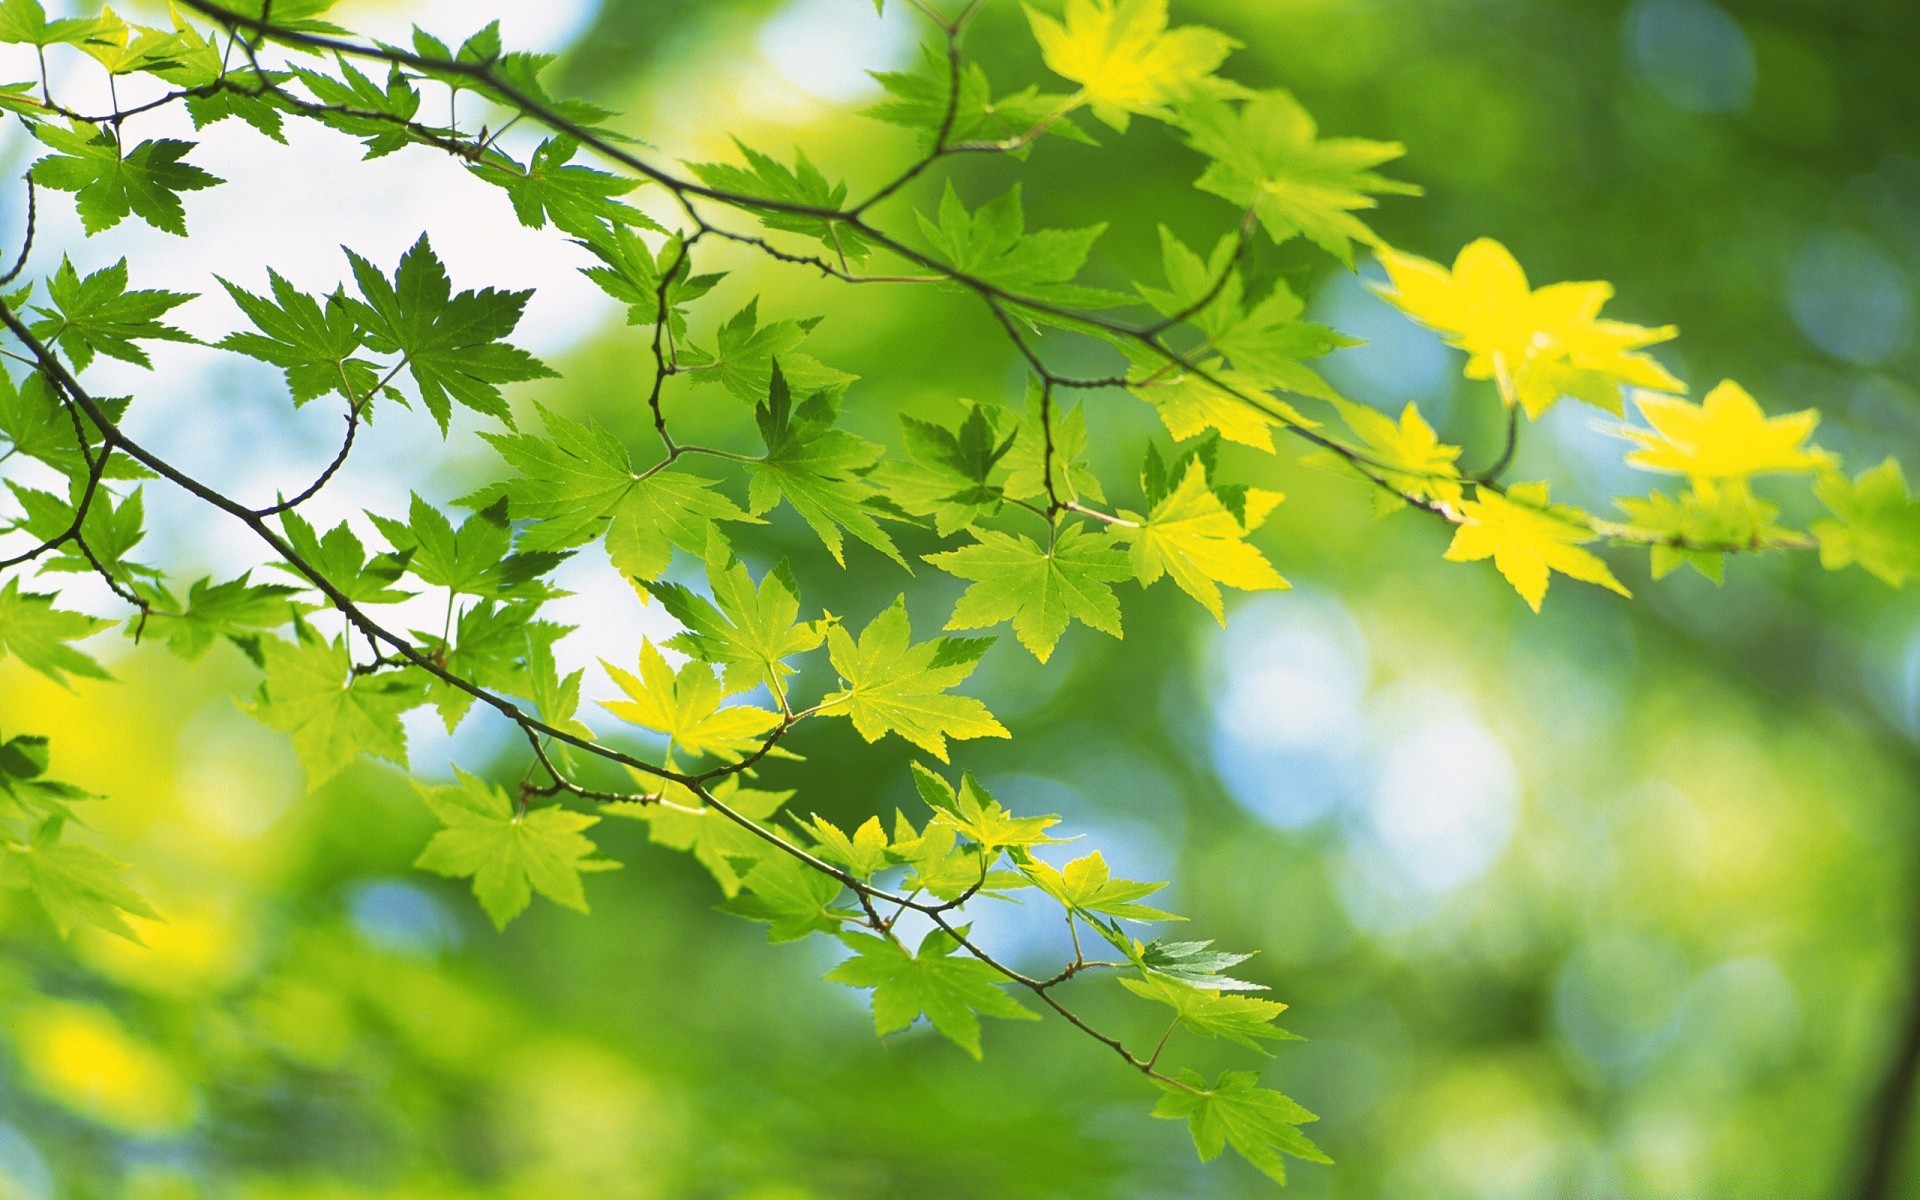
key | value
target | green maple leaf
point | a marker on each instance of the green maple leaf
(453, 344)
(1039, 589)
(333, 715)
(920, 99)
(342, 561)
(791, 897)
(893, 686)
(491, 647)
(33, 422)
(1875, 523)
(236, 609)
(98, 315)
(510, 854)
(109, 185)
(552, 187)
(578, 483)
(744, 354)
(111, 531)
(864, 853)
(1025, 461)
(357, 106)
(1086, 885)
(949, 990)
(1259, 1124)
(1263, 338)
(314, 345)
(471, 560)
(972, 812)
(35, 632)
(954, 475)
(1246, 1020)
(1268, 156)
(1194, 963)
(991, 244)
(718, 843)
(750, 631)
(817, 469)
(631, 273)
(766, 178)
(25, 22)
(75, 884)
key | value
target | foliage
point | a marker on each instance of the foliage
(1218, 350)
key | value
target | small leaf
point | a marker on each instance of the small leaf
(949, 990)
(509, 854)
(893, 686)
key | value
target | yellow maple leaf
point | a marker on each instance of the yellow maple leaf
(1234, 402)
(1193, 537)
(1407, 454)
(1726, 436)
(1124, 57)
(685, 706)
(1537, 344)
(1527, 537)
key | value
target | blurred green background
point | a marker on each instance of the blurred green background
(1614, 901)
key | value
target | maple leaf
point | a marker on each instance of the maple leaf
(74, 883)
(951, 475)
(340, 559)
(1724, 437)
(510, 854)
(1124, 57)
(991, 244)
(750, 631)
(1039, 590)
(1875, 523)
(894, 686)
(552, 187)
(1700, 526)
(1406, 454)
(864, 853)
(816, 468)
(793, 898)
(1087, 885)
(801, 185)
(1193, 537)
(315, 346)
(108, 184)
(311, 693)
(35, 632)
(25, 22)
(236, 609)
(745, 351)
(1212, 1013)
(1536, 344)
(578, 483)
(972, 812)
(98, 315)
(471, 560)
(948, 988)
(924, 100)
(452, 343)
(1258, 1123)
(1527, 538)
(725, 848)
(685, 706)
(1268, 156)
(1235, 403)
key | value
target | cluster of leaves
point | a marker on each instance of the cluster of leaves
(1001, 484)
